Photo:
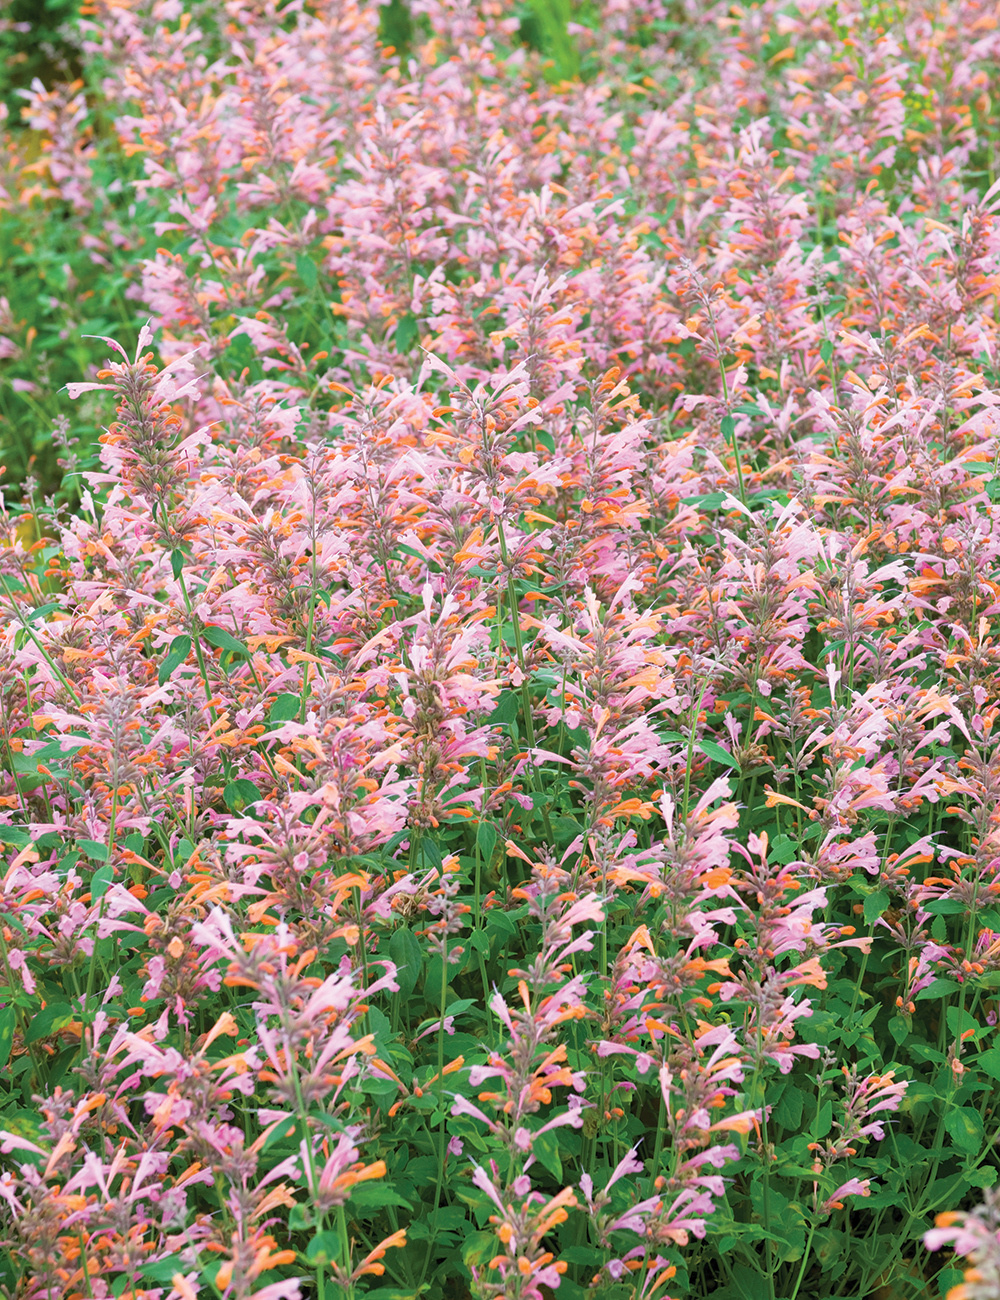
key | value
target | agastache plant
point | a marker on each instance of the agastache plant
(499, 574)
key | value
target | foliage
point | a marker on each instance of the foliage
(499, 789)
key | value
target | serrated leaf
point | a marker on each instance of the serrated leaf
(376, 1196)
(788, 1111)
(989, 1061)
(875, 905)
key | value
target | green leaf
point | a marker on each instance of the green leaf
(8, 1019)
(42, 610)
(299, 1217)
(961, 1021)
(100, 882)
(749, 1284)
(283, 1132)
(507, 708)
(826, 350)
(242, 355)
(376, 1196)
(306, 270)
(56, 1016)
(899, 1028)
(452, 1218)
(716, 753)
(875, 905)
(586, 1255)
(946, 907)
(176, 563)
(486, 838)
(239, 793)
(14, 836)
(324, 1248)
(711, 501)
(163, 1270)
(406, 332)
(405, 952)
(990, 1062)
(545, 1147)
(783, 850)
(180, 648)
(285, 708)
(382, 1089)
(965, 1128)
(479, 1248)
(223, 640)
(728, 427)
(938, 989)
(93, 849)
(498, 922)
(788, 1111)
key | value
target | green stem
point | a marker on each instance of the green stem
(198, 651)
(442, 1143)
(25, 627)
(345, 1245)
(661, 1129)
(766, 1181)
(725, 398)
(305, 666)
(805, 1261)
(690, 753)
(92, 970)
(529, 725)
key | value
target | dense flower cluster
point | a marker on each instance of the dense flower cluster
(498, 779)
